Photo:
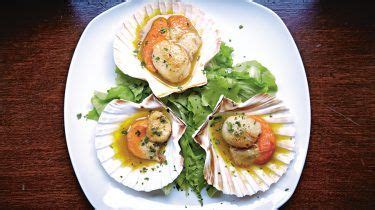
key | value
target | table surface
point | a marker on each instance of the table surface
(337, 44)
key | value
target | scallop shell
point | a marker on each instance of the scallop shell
(127, 61)
(238, 181)
(116, 112)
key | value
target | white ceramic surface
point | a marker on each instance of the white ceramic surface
(264, 38)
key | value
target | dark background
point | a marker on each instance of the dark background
(335, 39)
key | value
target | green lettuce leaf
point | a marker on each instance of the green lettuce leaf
(212, 191)
(128, 88)
(168, 189)
(223, 59)
(194, 157)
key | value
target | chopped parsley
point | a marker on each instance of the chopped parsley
(152, 149)
(146, 139)
(240, 27)
(230, 127)
(143, 170)
(163, 120)
(124, 132)
(163, 30)
(138, 133)
(79, 116)
(217, 117)
(155, 131)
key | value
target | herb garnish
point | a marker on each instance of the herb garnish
(163, 30)
(230, 127)
(155, 131)
(143, 170)
(138, 133)
(217, 117)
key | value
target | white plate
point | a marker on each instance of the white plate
(264, 37)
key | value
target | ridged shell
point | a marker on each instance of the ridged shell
(116, 112)
(127, 61)
(237, 181)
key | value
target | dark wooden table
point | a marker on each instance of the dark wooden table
(336, 41)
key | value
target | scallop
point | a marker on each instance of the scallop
(240, 131)
(191, 43)
(244, 157)
(171, 61)
(193, 35)
(159, 160)
(159, 128)
(245, 169)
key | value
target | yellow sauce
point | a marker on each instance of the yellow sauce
(222, 146)
(120, 146)
(137, 45)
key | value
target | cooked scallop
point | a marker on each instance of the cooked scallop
(159, 127)
(140, 145)
(241, 131)
(244, 157)
(191, 43)
(178, 26)
(171, 61)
